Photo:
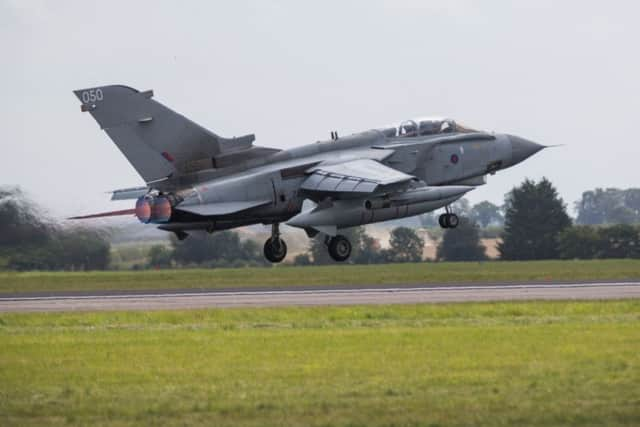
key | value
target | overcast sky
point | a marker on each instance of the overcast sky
(554, 72)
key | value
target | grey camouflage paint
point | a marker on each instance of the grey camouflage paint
(218, 183)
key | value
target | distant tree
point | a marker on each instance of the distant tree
(579, 242)
(251, 250)
(461, 243)
(35, 258)
(369, 251)
(621, 215)
(486, 213)
(222, 248)
(70, 249)
(619, 241)
(199, 248)
(428, 220)
(490, 232)
(632, 201)
(22, 223)
(461, 207)
(609, 206)
(591, 207)
(585, 242)
(160, 256)
(84, 249)
(32, 241)
(405, 245)
(535, 216)
(318, 250)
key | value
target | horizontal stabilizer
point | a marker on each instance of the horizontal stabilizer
(223, 208)
(129, 193)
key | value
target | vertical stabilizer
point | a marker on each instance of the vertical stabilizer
(157, 141)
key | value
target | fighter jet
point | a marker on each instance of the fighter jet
(198, 180)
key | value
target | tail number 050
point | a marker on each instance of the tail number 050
(92, 95)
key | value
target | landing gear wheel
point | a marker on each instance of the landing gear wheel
(339, 248)
(452, 220)
(275, 249)
(442, 220)
(448, 220)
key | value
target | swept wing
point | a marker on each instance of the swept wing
(352, 178)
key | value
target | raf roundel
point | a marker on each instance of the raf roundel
(454, 158)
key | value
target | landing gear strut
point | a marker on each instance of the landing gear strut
(275, 249)
(449, 219)
(339, 248)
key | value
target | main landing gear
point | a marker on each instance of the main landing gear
(339, 248)
(448, 219)
(275, 249)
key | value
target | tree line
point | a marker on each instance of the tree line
(537, 226)
(533, 223)
(609, 206)
(220, 249)
(30, 240)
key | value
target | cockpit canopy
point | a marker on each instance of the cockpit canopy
(423, 127)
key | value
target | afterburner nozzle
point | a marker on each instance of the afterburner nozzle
(155, 210)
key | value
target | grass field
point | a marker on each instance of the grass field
(497, 271)
(503, 364)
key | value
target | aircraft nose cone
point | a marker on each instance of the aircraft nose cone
(522, 149)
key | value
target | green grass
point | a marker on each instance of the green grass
(504, 364)
(329, 275)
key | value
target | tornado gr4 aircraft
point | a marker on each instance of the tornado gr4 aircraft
(197, 180)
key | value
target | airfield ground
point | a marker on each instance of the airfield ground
(507, 364)
(285, 276)
(528, 363)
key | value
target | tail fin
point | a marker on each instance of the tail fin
(157, 141)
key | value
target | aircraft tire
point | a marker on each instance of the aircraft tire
(452, 220)
(275, 251)
(442, 220)
(339, 248)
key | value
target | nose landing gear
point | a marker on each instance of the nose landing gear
(339, 248)
(275, 249)
(448, 219)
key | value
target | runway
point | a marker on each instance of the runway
(315, 296)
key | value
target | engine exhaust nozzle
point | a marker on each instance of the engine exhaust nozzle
(156, 210)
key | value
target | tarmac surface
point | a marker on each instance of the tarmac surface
(315, 296)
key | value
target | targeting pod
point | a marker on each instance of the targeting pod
(156, 210)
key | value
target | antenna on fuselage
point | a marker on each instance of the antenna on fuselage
(334, 135)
